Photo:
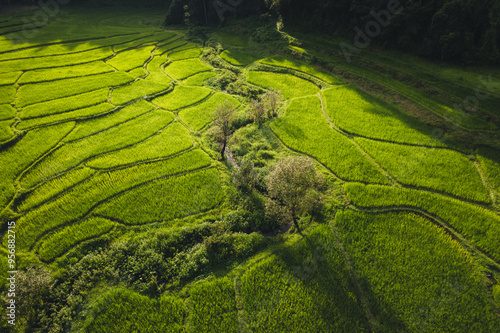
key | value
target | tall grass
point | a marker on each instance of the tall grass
(172, 140)
(363, 114)
(304, 128)
(479, 225)
(166, 199)
(416, 278)
(214, 307)
(76, 152)
(438, 169)
(289, 85)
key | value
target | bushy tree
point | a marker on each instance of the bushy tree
(272, 99)
(257, 111)
(293, 189)
(223, 117)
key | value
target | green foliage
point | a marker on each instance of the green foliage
(88, 112)
(18, 157)
(127, 60)
(181, 97)
(395, 253)
(40, 92)
(57, 73)
(182, 69)
(289, 291)
(214, 306)
(171, 140)
(121, 310)
(479, 225)
(364, 115)
(138, 89)
(7, 111)
(185, 54)
(304, 128)
(54, 187)
(490, 162)
(80, 199)
(93, 126)
(300, 66)
(198, 79)
(7, 94)
(62, 240)
(238, 58)
(438, 169)
(74, 153)
(166, 199)
(200, 115)
(289, 85)
(60, 105)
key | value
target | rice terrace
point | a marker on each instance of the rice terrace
(249, 166)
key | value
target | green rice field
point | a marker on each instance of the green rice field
(111, 170)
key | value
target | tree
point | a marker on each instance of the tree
(223, 118)
(272, 99)
(293, 189)
(257, 110)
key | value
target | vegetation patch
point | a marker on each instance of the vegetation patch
(433, 168)
(6, 130)
(304, 128)
(7, 111)
(396, 253)
(289, 85)
(185, 54)
(57, 73)
(300, 66)
(181, 97)
(479, 225)
(131, 59)
(155, 69)
(7, 94)
(198, 79)
(238, 58)
(490, 162)
(200, 115)
(9, 78)
(138, 89)
(182, 69)
(172, 140)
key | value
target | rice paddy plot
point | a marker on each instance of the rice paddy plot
(72, 154)
(185, 54)
(479, 225)
(198, 79)
(184, 68)
(289, 85)
(166, 199)
(303, 128)
(88, 112)
(17, 158)
(172, 140)
(122, 310)
(79, 200)
(238, 58)
(162, 49)
(9, 78)
(92, 126)
(364, 115)
(48, 91)
(304, 288)
(490, 162)
(6, 130)
(51, 74)
(7, 94)
(438, 169)
(185, 47)
(155, 69)
(146, 39)
(416, 277)
(60, 60)
(60, 105)
(200, 115)
(138, 89)
(181, 97)
(214, 306)
(131, 59)
(138, 72)
(7, 112)
(57, 244)
(301, 66)
(54, 187)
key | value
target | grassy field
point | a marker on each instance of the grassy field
(106, 146)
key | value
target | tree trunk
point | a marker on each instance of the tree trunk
(296, 223)
(223, 149)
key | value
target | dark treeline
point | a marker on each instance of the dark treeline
(463, 31)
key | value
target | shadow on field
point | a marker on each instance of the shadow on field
(317, 264)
